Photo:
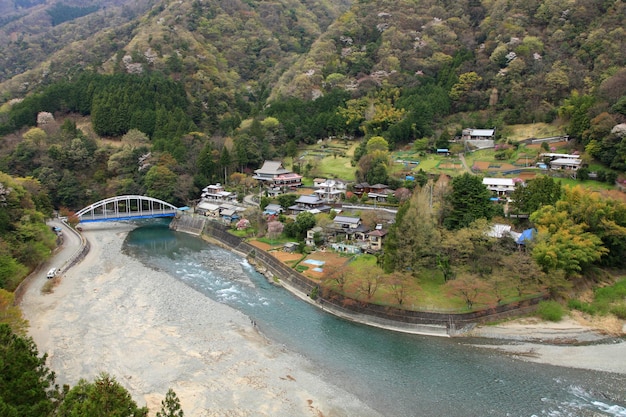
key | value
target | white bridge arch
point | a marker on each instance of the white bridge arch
(126, 207)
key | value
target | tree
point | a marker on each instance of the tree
(562, 244)
(287, 200)
(370, 280)
(541, 191)
(225, 161)
(35, 135)
(338, 275)
(467, 81)
(274, 229)
(583, 211)
(304, 221)
(161, 183)
(170, 406)
(397, 284)
(470, 288)
(377, 143)
(26, 385)
(468, 201)
(104, 397)
(521, 269)
(414, 240)
(575, 111)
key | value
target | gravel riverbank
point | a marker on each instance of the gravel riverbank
(151, 332)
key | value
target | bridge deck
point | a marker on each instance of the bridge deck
(126, 207)
(125, 216)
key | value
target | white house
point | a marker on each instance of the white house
(562, 161)
(499, 186)
(330, 190)
(216, 192)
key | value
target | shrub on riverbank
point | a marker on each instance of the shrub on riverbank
(550, 311)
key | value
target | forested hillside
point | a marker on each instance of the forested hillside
(261, 78)
(25, 240)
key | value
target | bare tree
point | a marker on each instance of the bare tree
(370, 282)
(397, 284)
(337, 275)
(470, 288)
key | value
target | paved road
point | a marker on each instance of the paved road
(71, 244)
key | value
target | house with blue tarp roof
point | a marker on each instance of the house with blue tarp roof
(527, 235)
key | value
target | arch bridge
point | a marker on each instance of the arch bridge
(126, 207)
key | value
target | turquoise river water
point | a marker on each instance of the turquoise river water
(396, 374)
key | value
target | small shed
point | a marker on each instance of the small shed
(290, 247)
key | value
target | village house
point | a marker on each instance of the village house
(376, 239)
(365, 188)
(330, 190)
(349, 228)
(311, 203)
(216, 192)
(562, 161)
(310, 235)
(273, 209)
(500, 187)
(208, 209)
(273, 175)
(379, 193)
(478, 134)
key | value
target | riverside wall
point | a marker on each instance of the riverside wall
(417, 322)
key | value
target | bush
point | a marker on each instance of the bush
(550, 311)
(582, 306)
(619, 311)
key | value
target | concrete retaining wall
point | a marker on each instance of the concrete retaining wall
(418, 322)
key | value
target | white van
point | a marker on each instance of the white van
(52, 273)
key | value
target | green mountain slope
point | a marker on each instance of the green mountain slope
(528, 55)
(519, 59)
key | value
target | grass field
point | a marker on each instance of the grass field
(534, 130)
(330, 160)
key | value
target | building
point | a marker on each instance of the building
(349, 228)
(562, 161)
(208, 209)
(310, 203)
(310, 235)
(216, 192)
(376, 239)
(329, 190)
(272, 174)
(273, 209)
(500, 187)
(379, 193)
(363, 187)
(478, 134)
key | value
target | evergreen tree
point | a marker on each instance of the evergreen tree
(468, 201)
(26, 385)
(170, 406)
(104, 397)
(225, 162)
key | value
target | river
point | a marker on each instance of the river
(396, 374)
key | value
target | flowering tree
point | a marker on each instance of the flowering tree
(274, 229)
(243, 224)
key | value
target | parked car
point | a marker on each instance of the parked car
(52, 273)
